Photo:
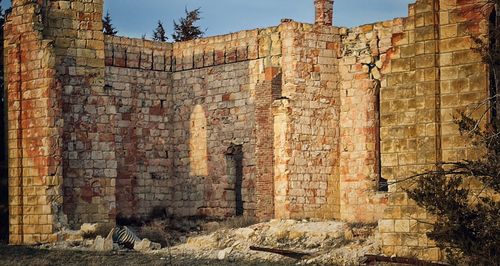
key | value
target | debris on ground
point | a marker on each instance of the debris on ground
(306, 242)
(317, 242)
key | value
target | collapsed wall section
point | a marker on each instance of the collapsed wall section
(366, 54)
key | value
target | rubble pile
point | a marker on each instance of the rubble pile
(290, 241)
(324, 242)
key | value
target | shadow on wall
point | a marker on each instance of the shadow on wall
(198, 154)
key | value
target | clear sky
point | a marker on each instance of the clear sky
(137, 17)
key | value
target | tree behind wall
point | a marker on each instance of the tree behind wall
(107, 26)
(186, 29)
(464, 196)
(159, 33)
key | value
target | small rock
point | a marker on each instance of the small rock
(88, 229)
(70, 235)
(245, 233)
(102, 244)
(88, 242)
(146, 245)
(223, 253)
(348, 234)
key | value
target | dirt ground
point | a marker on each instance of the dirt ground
(17, 255)
(199, 242)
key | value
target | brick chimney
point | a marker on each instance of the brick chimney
(324, 12)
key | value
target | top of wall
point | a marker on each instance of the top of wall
(199, 53)
(215, 50)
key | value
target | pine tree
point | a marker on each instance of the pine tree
(108, 27)
(186, 29)
(159, 33)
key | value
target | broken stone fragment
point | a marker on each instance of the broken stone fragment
(103, 244)
(70, 235)
(222, 254)
(88, 229)
(146, 245)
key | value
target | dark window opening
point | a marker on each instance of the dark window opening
(234, 160)
(382, 185)
(276, 86)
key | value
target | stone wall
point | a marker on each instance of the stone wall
(307, 123)
(89, 161)
(433, 74)
(138, 79)
(366, 54)
(34, 135)
(217, 78)
(294, 121)
(198, 95)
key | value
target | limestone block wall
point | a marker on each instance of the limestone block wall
(89, 161)
(214, 110)
(34, 135)
(307, 123)
(366, 54)
(214, 104)
(180, 108)
(433, 73)
(138, 79)
(294, 121)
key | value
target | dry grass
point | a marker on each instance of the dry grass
(230, 223)
(156, 231)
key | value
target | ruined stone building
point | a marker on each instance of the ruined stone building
(293, 121)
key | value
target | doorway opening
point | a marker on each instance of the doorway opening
(234, 160)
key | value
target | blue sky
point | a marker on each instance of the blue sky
(136, 17)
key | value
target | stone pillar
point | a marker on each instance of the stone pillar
(35, 172)
(324, 12)
(60, 119)
(265, 144)
(89, 160)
